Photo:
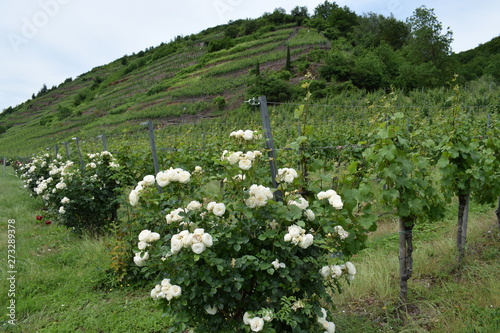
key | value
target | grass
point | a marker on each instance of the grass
(443, 296)
(59, 275)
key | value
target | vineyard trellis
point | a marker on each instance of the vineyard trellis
(345, 124)
(332, 118)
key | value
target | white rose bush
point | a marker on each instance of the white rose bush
(229, 255)
(80, 198)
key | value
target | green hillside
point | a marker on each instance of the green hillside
(213, 72)
(176, 79)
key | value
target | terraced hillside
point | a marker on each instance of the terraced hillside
(188, 76)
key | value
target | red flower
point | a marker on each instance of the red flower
(39, 217)
(48, 222)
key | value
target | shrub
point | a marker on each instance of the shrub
(63, 112)
(219, 102)
(229, 254)
(80, 199)
(80, 97)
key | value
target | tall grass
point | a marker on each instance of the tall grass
(443, 296)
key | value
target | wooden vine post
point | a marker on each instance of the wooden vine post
(271, 152)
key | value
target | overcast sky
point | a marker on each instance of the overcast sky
(47, 41)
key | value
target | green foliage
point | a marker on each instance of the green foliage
(427, 43)
(219, 102)
(374, 29)
(340, 20)
(63, 112)
(80, 97)
(84, 199)
(288, 64)
(43, 90)
(369, 72)
(404, 171)
(274, 85)
(461, 150)
(220, 44)
(234, 257)
(45, 120)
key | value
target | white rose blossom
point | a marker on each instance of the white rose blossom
(148, 180)
(133, 198)
(162, 179)
(148, 236)
(184, 177)
(174, 216)
(142, 245)
(245, 164)
(286, 175)
(297, 236)
(336, 271)
(341, 232)
(166, 290)
(211, 205)
(234, 157)
(198, 241)
(219, 209)
(247, 135)
(256, 324)
(309, 214)
(328, 325)
(299, 202)
(144, 235)
(194, 205)
(259, 195)
(140, 258)
(333, 198)
(277, 264)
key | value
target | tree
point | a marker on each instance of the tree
(373, 29)
(43, 90)
(339, 18)
(369, 72)
(426, 41)
(278, 16)
(299, 14)
(338, 66)
(394, 32)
